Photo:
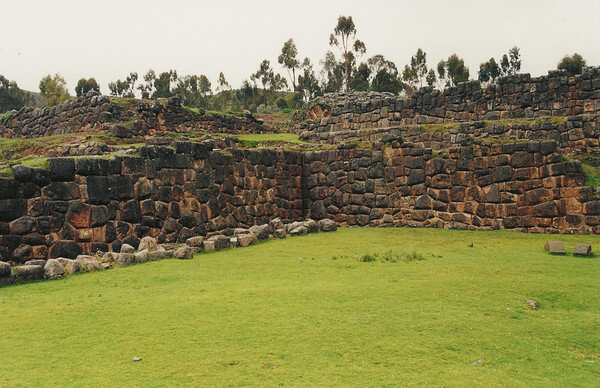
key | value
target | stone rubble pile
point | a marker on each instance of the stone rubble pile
(149, 249)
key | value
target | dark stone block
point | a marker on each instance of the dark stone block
(11, 209)
(41, 176)
(64, 191)
(133, 241)
(120, 187)
(65, 248)
(23, 225)
(97, 189)
(22, 172)
(30, 190)
(131, 212)
(10, 188)
(88, 166)
(62, 169)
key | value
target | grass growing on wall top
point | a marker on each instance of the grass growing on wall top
(424, 307)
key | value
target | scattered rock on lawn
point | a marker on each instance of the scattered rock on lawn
(4, 269)
(141, 256)
(555, 247)
(157, 254)
(246, 239)
(481, 361)
(53, 269)
(29, 272)
(327, 225)
(276, 223)
(261, 231)
(582, 250)
(148, 243)
(280, 233)
(124, 258)
(299, 230)
(89, 263)
(209, 245)
(195, 241)
(311, 226)
(532, 303)
(137, 358)
(184, 252)
(126, 248)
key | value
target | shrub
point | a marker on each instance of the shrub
(281, 103)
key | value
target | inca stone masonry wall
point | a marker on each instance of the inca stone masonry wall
(89, 204)
(95, 112)
(510, 97)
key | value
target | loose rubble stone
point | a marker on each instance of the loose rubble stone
(141, 256)
(124, 258)
(246, 239)
(327, 225)
(261, 231)
(555, 247)
(532, 303)
(299, 230)
(195, 241)
(159, 253)
(280, 233)
(147, 243)
(29, 272)
(4, 269)
(184, 252)
(311, 226)
(126, 248)
(582, 250)
(53, 269)
(89, 263)
(36, 262)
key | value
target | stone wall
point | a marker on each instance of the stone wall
(574, 134)
(125, 118)
(518, 186)
(510, 97)
(89, 204)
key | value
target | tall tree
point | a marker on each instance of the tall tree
(361, 78)
(162, 84)
(431, 78)
(147, 88)
(248, 95)
(332, 73)
(125, 88)
(344, 38)
(85, 85)
(308, 85)
(288, 58)
(53, 89)
(270, 81)
(510, 64)
(384, 81)
(12, 97)
(453, 70)
(492, 68)
(223, 84)
(193, 90)
(573, 64)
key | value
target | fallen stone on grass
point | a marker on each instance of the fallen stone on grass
(481, 361)
(184, 252)
(148, 243)
(4, 269)
(137, 358)
(582, 250)
(327, 225)
(276, 223)
(555, 247)
(124, 258)
(311, 226)
(532, 303)
(280, 233)
(141, 256)
(29, 272)
(261, 231)
(246, 239)
(126, 248)
(158, 253)
(299, 230)
(89, 263)
(35, 262)
(195, 241)
(53, 269)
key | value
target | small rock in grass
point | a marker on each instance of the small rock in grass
(53, 269)
(29, 272)
(481, 361)
(311, 226)
(532, 303)
(280, 233)
(136, 358)
(126, 248)
(157, 254)
(555, 247)
(327, 225)
(184, 252)
(301, 258)
(195, 241)
(141, 256)
(299, 230)
(246, 239)
(582, 250)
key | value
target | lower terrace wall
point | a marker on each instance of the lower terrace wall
(518, 186)
(88, 204)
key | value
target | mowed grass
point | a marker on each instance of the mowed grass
(261, 316)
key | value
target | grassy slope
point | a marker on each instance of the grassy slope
(261, 316)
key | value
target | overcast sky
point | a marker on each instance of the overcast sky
(108, 39)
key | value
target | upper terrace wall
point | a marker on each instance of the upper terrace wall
(95, 112)
(510, 97)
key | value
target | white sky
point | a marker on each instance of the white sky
(107, 39)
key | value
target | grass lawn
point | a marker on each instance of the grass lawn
(261, 316)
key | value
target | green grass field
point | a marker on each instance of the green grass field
(422, 312)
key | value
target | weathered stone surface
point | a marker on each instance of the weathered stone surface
(126, 248)
(159, 253)
(65, 248)
(582, 250)
(261, 231)
(327, 225)
(246, 239)
(141, 256)
(89, 263)
(299, 230)
(53, 269)
(29, 272)
(280, 233)
(147, 243)
(196, 241)
(124, 258)
(184, 252)
(555, 247)
(4, 269)
(311, 226)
